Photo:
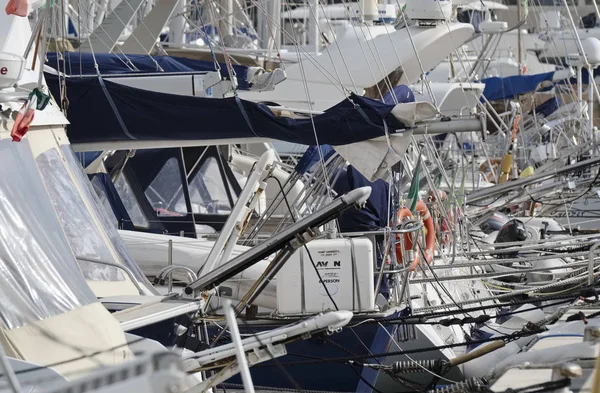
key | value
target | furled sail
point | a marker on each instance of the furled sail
(131, 114)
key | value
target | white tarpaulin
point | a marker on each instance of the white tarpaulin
(39, 277)
(48, 314)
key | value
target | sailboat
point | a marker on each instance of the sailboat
(430, 307)
(62, 261)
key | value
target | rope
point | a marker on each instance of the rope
(109, 98)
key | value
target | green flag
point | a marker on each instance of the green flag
(44, 6)
(413, 192)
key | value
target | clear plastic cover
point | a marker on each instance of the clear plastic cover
(39, 277)
(166, 186)
(82, 233)
(108, 227)
(130, 202)
(207, 191)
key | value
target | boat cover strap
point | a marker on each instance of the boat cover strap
(114, 108)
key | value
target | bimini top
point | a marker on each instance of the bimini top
(103, 111)
(75, 63)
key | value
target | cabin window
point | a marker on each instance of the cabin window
(138, 219)
(101, 193)
(208, 193)
(82, 233)
(165, 187)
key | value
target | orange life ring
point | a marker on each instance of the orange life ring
(429, 236)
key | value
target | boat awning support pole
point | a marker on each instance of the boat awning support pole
(243, 208)
(239, 347)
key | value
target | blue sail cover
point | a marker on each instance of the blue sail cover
(506, 88)
(147, 115)
(311, 156)
(402, 93)
(375, 214)
(585, 77)
(548, 107)
(76, 63)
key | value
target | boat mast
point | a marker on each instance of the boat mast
(269, 24)
(520, 37)
(88, 18)
(313, 27)
(226, 17)
(177, 25)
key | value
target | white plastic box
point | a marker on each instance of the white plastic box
(11, 69)
(346, 268)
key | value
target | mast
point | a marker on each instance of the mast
(313, 27)
(226, 18)
(268, 25)
(277, 24)
(87, 17)
(99, 17)
(369, 10)
(520, 37)
(177, 25)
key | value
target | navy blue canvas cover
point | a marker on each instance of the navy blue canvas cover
(497, 88)
(75, 63)
(102, 111)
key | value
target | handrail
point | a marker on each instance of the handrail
(191, 274)
(116, 265)
(415, 224)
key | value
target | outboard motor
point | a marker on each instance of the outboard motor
(494, 223)
(589, 21)
(512, 231)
